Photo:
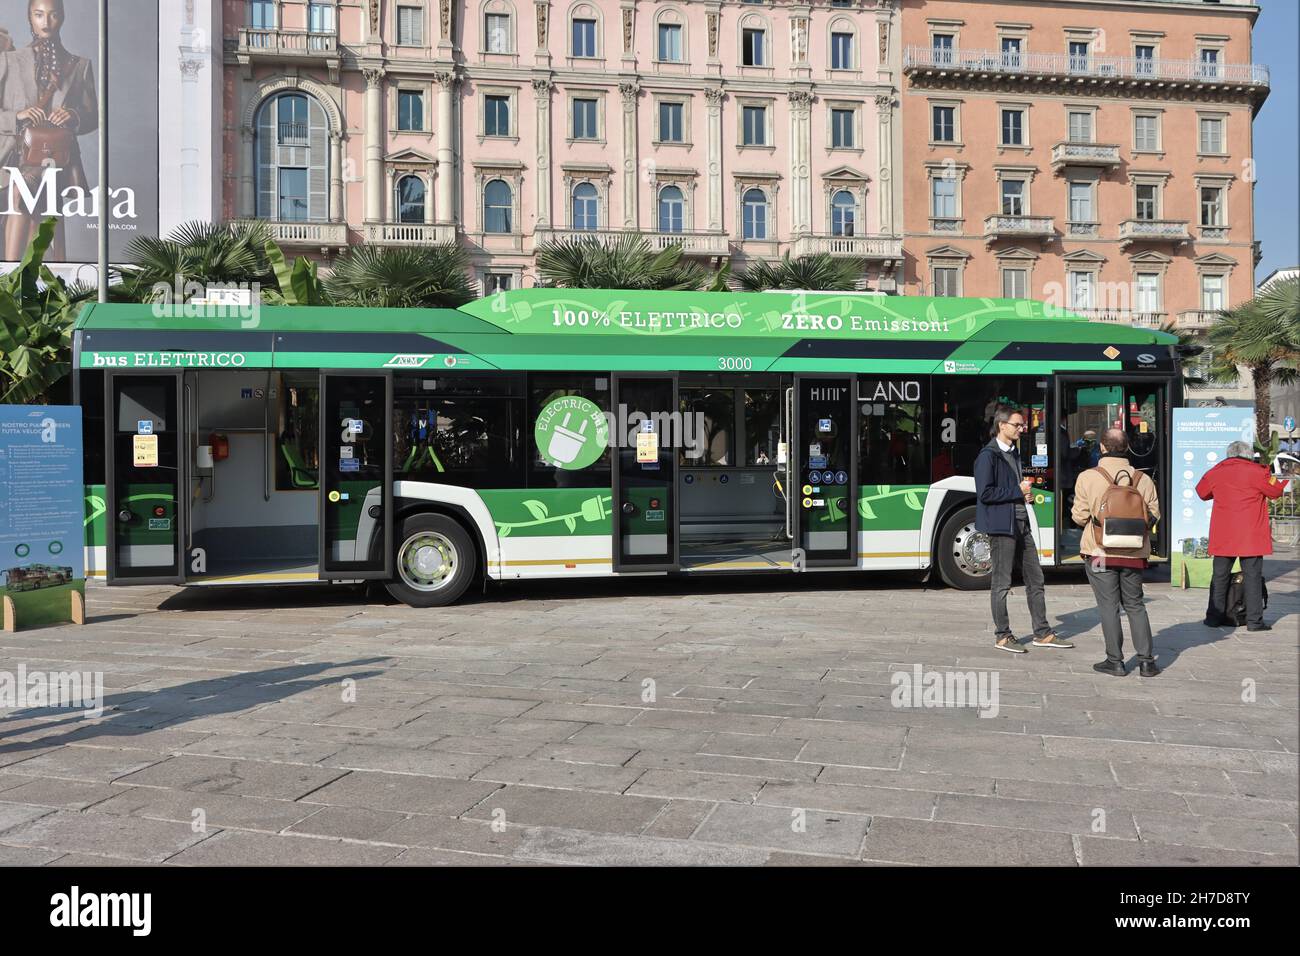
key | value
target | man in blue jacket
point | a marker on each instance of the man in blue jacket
(1002, 496)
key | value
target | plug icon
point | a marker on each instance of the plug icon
(566, 444)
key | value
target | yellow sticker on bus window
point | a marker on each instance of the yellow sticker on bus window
(1143, 427)
(145, 449)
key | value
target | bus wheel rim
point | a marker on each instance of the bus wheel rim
(427, 561)
(972, 551)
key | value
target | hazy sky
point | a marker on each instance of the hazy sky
(1277, 137)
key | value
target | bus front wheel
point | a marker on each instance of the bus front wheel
(435, 561)
(965, 559)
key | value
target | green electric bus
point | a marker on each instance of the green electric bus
(572, 433)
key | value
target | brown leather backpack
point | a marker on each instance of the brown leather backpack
(1121, 521)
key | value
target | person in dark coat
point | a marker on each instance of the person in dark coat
(1002, 496)
(1240, 488)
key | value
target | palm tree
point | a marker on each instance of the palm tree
(628, 262)
(37, 310)
(416, 277)
(821, 272)
(1263, 337)
(196, 254)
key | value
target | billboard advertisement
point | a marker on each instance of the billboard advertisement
(1201, 437)
(49, 117)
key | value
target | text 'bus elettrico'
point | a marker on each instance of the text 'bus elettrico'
(562, 433)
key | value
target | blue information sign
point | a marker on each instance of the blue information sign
(42, 511)
(1200, 440)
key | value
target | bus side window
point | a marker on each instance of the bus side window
(297, 460)
(892, 441)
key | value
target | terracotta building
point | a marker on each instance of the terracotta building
(742, 129)
(1092, 153)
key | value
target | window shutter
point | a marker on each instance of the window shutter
(266, 188)
(318, 151)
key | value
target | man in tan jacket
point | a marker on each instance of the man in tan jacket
(1116, 574)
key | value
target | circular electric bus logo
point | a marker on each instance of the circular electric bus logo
(571, 432)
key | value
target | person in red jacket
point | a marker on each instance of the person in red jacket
(1240, 489)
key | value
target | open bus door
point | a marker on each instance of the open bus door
(356, 475)
(644, 473)
(144, 470)
(822, 471)
(1089, 404)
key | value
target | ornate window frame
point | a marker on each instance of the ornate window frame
(754, 20)
(945, 170)
(855, 106)
(685, 99)
(571, 95)
(498, 7)
(481, 93)
(426, 35)
(512, 174)
(844, 24)
(769, 184)
(672, 15)
(599, 176)
(685, 180)
(425, 89)
(1158, 114)
(769, 121)
(1024, 108)
(931, 103)
(947, 257)
(585, 10)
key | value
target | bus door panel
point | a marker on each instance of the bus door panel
(1089, 405)
(824, 471)
(645, 472)
(356, 475)
(145, 476)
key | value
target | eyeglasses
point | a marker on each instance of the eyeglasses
(1019, 426)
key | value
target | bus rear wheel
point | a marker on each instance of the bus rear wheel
(965, 558)
(435, 561)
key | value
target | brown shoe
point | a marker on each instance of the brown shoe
(1051, 639)
(1010, 644)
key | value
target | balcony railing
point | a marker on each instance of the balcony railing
(1152, 230)
(1019, 227)
(290, 233)
(1103, 155)
(1145, 320)
(857, 247)
(1144, 69)
(1197, 318)
(408, 234)
(692, 243)
(292, 42)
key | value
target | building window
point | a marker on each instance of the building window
(754, 126)
(498, 207)
(1212, 206)
(1146, 133)
(672, 126)
(1012, 48)
(943, 124)
(585, 119)
(586, 207)
(947, 280)
(1148, 293)
(261, 14)
(1079, 56)
(1209, 63)
(1147, 196)
(1212, 299)
(410, 26)
(1211, 135)
(753, 47)
(496, 114)
(1144, 56)
(842, 123)
(1081, 290)
(672, 209)
(497, 282)
(841, 51)
(670, 42)
(943, 198)
(1081, 203)
(1080, 126)
(410, 199)
(844, 213)
(754, 214)
(942, 45)
(1013, 127)
(320, 18)
(410, 111)
(1015, 283)
(1013, 197)
(496, 30)
(291, 144)
(584, 37)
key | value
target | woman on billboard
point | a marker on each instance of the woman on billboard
(47, 100)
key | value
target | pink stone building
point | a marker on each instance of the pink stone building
(742, 129)
(1096, 153)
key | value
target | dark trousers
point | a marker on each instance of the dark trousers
(1007, 552)
(1252, 570)
(1116, 588)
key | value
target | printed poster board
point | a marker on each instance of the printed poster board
(1201, 437)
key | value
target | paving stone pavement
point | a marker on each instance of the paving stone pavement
(748, 721)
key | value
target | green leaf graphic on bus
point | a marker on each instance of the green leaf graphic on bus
(575, 510)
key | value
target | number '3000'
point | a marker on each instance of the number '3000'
(732, 364)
